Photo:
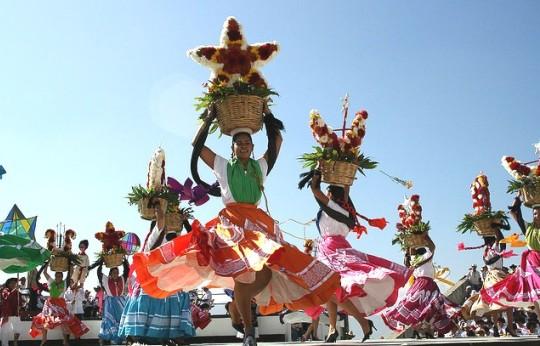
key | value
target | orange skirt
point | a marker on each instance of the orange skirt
(232, 247)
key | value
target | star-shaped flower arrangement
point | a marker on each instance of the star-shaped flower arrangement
(235, 60)
(235, 65)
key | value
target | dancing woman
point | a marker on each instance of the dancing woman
(242, 247)
(522, 288)
(55, 312)
(146, 318)
(493, 255)
(368, 283)
(114, 302)
(424, 304)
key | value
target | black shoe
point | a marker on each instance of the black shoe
(332, 337)
(368, 334)
(238, 327)
(416, 335)
(511, 333)
(249, 340)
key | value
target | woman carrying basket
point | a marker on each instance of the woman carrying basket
(369, 284)
(522, 288)
(242, 247)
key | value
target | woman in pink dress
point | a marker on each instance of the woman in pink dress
(368, 283)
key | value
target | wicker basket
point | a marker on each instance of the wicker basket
(59, 264)
(149, 213)
(114, 260)
(338, 172)
(174, 222)
(238, 111)
(483, 227)
(531, 196)
(416, 240)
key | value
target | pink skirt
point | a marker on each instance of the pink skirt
(522, 288)
(422, 303)
(371, 283)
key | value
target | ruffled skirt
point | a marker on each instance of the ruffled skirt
(422, 303)
(520, 289)
(150, 318)
(233, 247)
(476, 306)
(369, 282)
(112, 313)
(56, 314)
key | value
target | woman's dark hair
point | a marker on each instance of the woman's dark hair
(236, 135)
(84, 242)
(111, 270)
(9, 281)
(420, 251)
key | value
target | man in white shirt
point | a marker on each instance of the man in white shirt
(474, 278)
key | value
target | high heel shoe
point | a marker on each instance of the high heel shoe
(368, 334)
(332, 337)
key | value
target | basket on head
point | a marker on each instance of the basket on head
(240, 111)
(113, 260)
(416, 240)
(174, 221)
(339, 173)
(531, 195)
(483, 227)
(147, 209)
(59, 263)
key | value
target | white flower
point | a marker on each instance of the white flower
(323, 139)
(156, 170)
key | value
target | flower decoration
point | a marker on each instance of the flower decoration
(525, 177)
(482, 206)
(480, 194)
(156, 170)
(410, 220)
(234, 60)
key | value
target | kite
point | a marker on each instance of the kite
(17, 224)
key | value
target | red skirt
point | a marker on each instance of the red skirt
(233, 247)
(422, 303)
(55, 314)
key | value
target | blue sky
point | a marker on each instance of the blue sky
(88, 90)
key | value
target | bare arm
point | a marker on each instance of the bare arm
(46, 273)
(316, 189)
(515, 212)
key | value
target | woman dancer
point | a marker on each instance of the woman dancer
(494, 252)
(243, 243)
(368, 283)
(423, 305)
(148, 318)
(114, 286)
(55, 312)
(522, 288)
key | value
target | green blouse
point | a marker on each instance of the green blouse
(245, 182)
(56, 290)
(533, 237)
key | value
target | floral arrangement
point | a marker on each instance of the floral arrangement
(524, 176)
(155, 182)
(234, 64)
(334, 148)
(410, 215)
(481, 204)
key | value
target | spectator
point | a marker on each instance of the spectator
(474, 278)
(484, 273)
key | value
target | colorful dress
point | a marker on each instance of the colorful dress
(522, 288)
(235, 245)
(371, 283)
(56, 314)
(423, 303)
(476, 306)
(114, 304)
(151, 318)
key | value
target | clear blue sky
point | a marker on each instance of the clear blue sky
(88, 90)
